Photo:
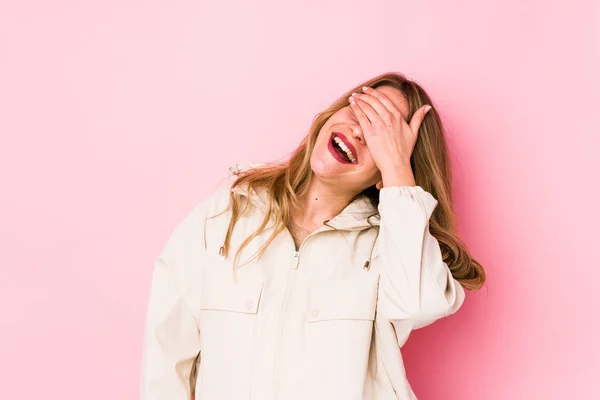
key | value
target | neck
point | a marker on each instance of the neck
(320, 203)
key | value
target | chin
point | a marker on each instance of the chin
(324, 166)
(320, 168)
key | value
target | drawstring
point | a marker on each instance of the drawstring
(367, 265)
(204, 236)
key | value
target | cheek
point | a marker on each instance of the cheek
(367, 159)
(323, 133)
(371, 169)
(368, 170)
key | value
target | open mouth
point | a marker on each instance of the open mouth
(345, 152)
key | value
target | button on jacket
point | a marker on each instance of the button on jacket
(324, 322)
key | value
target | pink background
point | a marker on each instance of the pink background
(117, 117)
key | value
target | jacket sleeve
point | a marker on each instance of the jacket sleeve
(416, 286)
(172, 332)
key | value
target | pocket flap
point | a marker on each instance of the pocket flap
(354, 299)
(221, 292)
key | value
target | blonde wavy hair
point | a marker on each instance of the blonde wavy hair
(288, 180)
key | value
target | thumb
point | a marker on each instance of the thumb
(417, 118)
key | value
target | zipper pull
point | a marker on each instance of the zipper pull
(296, 259)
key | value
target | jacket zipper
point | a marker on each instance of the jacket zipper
(295, 263)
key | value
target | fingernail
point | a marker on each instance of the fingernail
(365, 88)
(427, 108)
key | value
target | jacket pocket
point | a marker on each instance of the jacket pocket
(354, 299)
(228, 321)
(338, 336)
(222, 293)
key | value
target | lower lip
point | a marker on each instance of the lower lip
(335, 153)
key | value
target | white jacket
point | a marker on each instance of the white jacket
(314, 324)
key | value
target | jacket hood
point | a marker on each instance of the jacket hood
(359, 214)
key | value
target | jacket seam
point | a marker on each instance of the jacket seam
(428, 232)
(385, 372)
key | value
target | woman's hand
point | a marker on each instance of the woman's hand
(389, 137)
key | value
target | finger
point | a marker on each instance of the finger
(361, 117)
(385, 100)
(383, 113)
(371, 114)
(417, 118)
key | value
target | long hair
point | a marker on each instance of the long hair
(286, 181)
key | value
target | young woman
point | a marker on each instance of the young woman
(302, 280)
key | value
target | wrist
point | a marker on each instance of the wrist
(399, 176)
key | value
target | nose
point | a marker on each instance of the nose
(357, 132)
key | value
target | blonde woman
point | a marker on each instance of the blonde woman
(303, 279)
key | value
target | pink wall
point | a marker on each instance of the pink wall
(118, 116)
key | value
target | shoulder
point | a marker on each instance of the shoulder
(190, 229)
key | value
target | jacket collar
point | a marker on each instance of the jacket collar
(358, 215)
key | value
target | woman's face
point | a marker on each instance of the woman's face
(332, 165)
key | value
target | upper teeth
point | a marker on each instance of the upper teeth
(345, 148)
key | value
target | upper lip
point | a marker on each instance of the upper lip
(347, 143)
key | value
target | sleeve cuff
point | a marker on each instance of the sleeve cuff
(405, 190)
(389, 196)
